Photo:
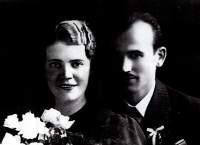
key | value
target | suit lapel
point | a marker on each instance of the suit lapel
(158, 108)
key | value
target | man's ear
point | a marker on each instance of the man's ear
(162, 53)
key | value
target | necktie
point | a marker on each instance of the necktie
(133, 112)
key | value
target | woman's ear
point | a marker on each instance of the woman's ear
(162, 53)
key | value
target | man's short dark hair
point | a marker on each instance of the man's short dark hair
(147, 18)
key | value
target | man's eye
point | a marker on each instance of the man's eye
(135, 56)
(77, 64)
(55, 64)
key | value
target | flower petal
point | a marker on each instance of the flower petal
(11, 121)
(10, 140)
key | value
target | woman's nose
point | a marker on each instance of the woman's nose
(67, 73)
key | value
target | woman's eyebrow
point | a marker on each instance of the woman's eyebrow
(76, 60)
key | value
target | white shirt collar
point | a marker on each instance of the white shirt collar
(142, 105)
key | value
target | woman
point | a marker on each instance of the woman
(68, 59)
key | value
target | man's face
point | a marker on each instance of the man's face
(138, 58)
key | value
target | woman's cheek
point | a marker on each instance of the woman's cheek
(85, 72)
(51, 74)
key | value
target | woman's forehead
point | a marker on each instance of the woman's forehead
(62, 51)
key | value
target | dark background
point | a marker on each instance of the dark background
(24, 24)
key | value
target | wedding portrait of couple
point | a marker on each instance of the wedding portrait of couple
(100, 72)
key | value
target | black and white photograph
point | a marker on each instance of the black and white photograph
(100, 72)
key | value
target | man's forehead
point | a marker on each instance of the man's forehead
(139, 33)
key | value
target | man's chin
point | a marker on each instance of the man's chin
(130, 89)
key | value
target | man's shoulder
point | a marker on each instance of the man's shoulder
(181, 99)
(180, 96)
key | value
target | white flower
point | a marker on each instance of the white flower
(11, 140)
(11, 121)
(35, 143)
(51, 115)
(64, 122)
(30, 126)
(153, 133)
(56, 118)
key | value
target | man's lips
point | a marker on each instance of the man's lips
(128, 77)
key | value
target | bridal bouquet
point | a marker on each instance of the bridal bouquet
(49, 129)
(52, 129)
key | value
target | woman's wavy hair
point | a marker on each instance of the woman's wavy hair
(74, 32)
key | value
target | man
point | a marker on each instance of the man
(165, 115)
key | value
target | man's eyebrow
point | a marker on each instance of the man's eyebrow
(135, 51)
(54, 60)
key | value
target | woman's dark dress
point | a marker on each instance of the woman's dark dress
(103, 125)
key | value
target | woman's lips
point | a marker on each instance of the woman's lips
(67, 86)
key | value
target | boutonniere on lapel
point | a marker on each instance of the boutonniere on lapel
(155, 135)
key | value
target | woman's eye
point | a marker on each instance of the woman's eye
(77, 64)
(55, 64)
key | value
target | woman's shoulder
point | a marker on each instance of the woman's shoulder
(118, 129)
(107, 117)
(102, 114)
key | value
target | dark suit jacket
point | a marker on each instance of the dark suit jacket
(177, 112)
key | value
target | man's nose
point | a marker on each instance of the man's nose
(67, 72)
(126, 65)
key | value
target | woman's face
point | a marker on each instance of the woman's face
(67, 71)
